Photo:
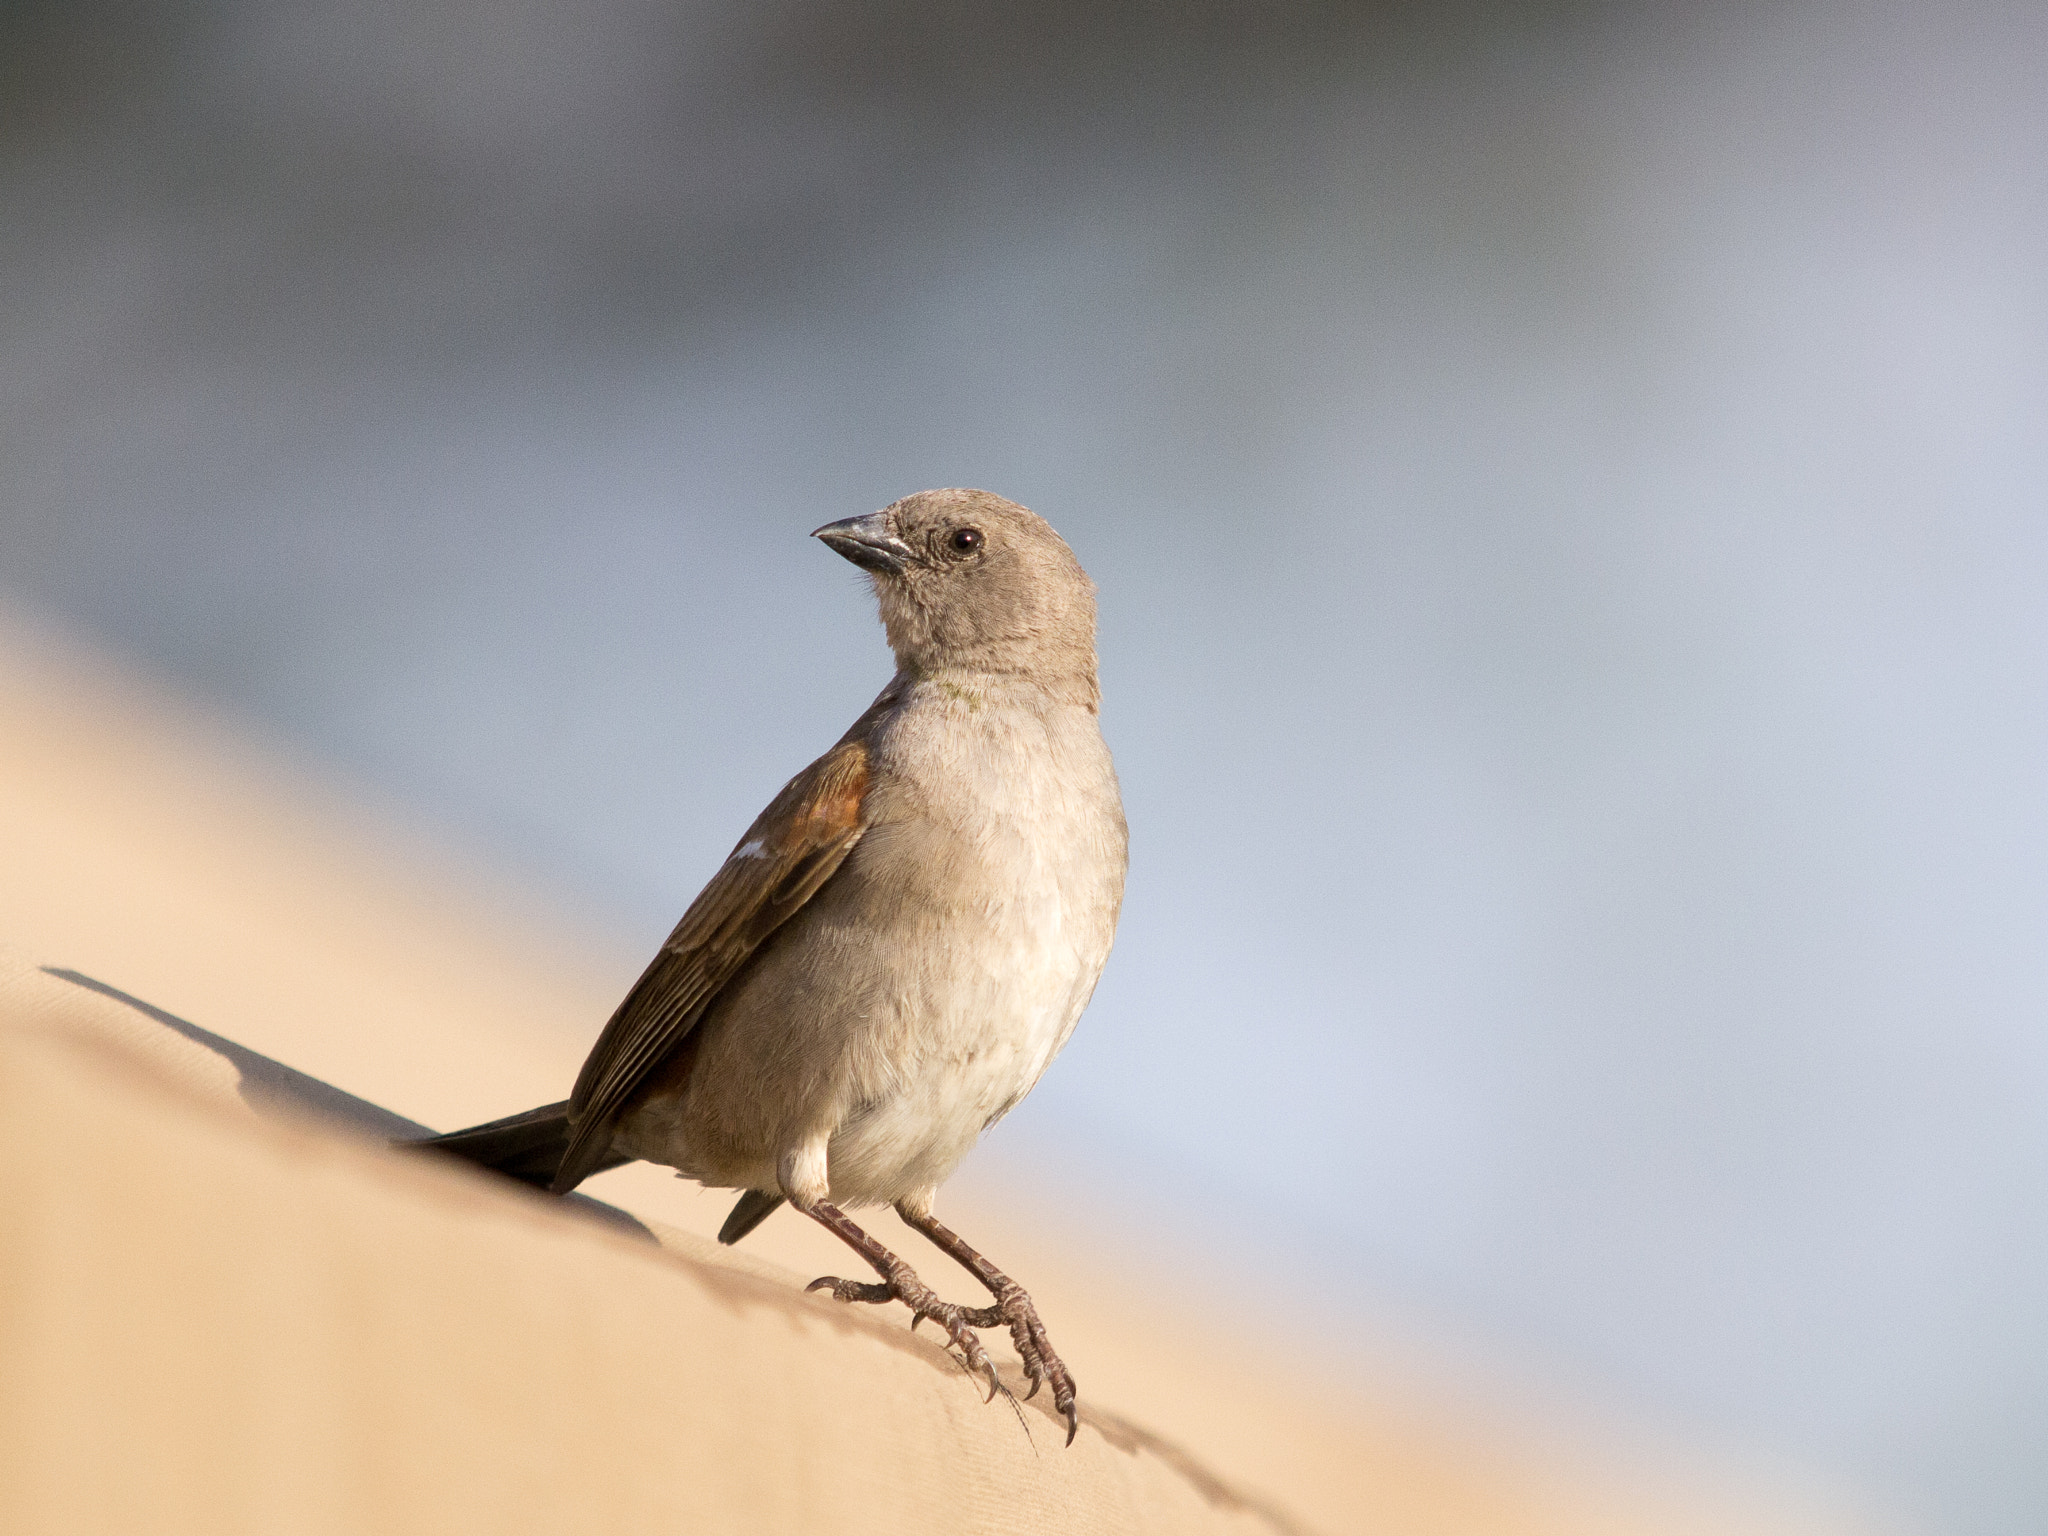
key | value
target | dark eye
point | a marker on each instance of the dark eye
(964, 541)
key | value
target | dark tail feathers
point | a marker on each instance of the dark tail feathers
(529, 1148)
(525, 1147)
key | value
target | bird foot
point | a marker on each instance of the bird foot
(1044, 1368)
(959, 1322)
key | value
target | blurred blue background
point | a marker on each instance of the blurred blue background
(1566, 482)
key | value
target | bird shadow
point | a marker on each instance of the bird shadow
(269, 1087)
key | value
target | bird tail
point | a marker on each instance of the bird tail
(755, 1207)
(527, 1147)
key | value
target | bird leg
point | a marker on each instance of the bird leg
(900, 1283)
(1014, 1308)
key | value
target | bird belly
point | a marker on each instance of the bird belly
(916, 1069)
(960, 1059)
(915, 999)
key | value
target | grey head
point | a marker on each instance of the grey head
(969, 582)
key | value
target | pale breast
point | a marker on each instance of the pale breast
(999, 843)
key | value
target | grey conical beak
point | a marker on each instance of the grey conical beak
(868, 542)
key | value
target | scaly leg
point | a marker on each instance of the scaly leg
(900, 1283)
(1014, 1308)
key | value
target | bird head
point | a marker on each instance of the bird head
(971, 583)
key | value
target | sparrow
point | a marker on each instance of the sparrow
(899, 945)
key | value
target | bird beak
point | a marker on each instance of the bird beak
(868, 542)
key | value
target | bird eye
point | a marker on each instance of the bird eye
(964, 541)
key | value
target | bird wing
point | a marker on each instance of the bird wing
(787, 854)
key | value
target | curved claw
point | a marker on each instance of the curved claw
(1041, 1364)
(852, 1290)
(959, 1323)
(972, 1356)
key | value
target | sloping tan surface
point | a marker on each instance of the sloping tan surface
(215, 1323)
(221, 1322)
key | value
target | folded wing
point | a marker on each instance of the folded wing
(791, 850)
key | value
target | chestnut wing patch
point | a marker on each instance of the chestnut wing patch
(791, 850)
